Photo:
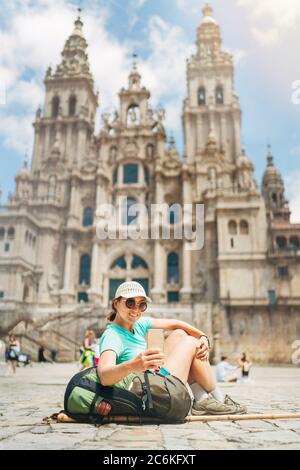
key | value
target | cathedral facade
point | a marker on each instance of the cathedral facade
(242, 287)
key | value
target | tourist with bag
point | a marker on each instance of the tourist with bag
(12, 352)
(130, 379)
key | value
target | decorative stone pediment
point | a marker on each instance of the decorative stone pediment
(131, 149)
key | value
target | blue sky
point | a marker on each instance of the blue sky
(261, 34)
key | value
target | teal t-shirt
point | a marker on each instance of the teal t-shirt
(126, 345)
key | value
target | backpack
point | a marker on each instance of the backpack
(151, 395)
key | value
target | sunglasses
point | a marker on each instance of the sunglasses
(130, 303)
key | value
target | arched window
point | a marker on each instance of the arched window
(281, 243)
(173, 214)
(219, 95)
(202, 96)
(119, 263)
(244, 227)
(232, 227)
(138, 262)
(72, 105)
(85, 270)
(2, 233)
(294, 243)
(274, 198)
(173, 268)
(131, 173)
(128, 215)
(11, 233)
(55, 106)
(113, 286)
(88, 217)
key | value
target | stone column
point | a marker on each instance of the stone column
(36, 161)
(237, 135)
(81, 142)
(96, 281)
(73, 215)
(186, 290)
(157, 293)
(199, 132)
(67, 294)
(224, 132)
(186, 269)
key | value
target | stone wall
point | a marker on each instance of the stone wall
(266, 334)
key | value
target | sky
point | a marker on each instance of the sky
(262, 35)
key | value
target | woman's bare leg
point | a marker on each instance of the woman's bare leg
(180, 360)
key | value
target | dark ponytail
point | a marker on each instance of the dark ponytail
(112, 315)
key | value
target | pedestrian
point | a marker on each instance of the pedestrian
(224, 371)
(245, 365)
(123, 352)
(53, 355)
(89, 345)
(12, 354)
(41, 356)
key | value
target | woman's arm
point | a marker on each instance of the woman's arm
(110, 374)
(202, 351)
(170, 325)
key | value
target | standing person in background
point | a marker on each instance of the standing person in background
(53, 355)
(13, 351)
(87, 358)
(41, 356)
(245, 366)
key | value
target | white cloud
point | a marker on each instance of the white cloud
(271, 18)
(17, 132)
(191, 6)
(110, 62)
(33, 38)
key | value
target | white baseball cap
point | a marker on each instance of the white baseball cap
(131, 289)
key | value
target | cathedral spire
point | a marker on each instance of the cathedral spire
(207, 10)
(134, 77)
(75, 62)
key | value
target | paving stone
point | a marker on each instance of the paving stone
(293, 424)
(12, 431)
(196, 444)
(131, 435)
(256, 425)
(41, 429)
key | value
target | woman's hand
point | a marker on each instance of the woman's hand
(202, 351)
(150, 359)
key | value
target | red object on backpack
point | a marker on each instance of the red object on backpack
(104, 408)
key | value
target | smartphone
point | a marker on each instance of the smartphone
(155, 339)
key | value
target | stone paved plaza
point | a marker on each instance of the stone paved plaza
(36, 392)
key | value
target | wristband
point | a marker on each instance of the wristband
(204, 336)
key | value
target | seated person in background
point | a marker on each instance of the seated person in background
(224, 371)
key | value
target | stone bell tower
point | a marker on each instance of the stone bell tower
(65, 127)
(212, 107)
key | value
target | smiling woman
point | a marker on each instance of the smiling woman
(124, 353)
